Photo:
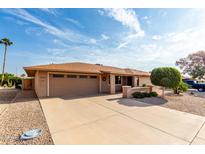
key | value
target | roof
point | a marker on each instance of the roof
(78, 67)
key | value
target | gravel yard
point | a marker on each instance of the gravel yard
(22, 114)
(184, 102)
(7, 95)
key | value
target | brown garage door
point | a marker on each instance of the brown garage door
(72, 85)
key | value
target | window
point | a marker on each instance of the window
(83, 76)
(71, 76)
(118, 79)
(58, 76)
(93, 77)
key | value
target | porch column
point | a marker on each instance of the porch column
(48, 83)
(100, 83)
(112, 84)
(134, 81)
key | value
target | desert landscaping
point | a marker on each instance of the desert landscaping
(20, 112)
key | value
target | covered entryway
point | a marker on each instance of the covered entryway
(73, 85)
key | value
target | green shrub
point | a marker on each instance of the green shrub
(17, 81)
(153, 94)
(10, 80)
(144, 94)
(144, 85)
(138, 95)
(10, 83)
(183, 87)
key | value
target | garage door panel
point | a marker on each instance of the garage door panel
(72, 86)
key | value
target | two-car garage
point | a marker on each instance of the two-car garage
(73, 84)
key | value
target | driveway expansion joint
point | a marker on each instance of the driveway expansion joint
(197, 133)
(144, 123)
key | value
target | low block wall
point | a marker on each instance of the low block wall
(27, 84)
(127, 91)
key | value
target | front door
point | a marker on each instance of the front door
(129, 80)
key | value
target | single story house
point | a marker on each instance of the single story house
(83, 79)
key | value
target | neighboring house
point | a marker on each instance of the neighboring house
(83, 79)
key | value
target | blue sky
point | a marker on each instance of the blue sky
(136, 38)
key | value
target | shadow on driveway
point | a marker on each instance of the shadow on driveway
(143, 102)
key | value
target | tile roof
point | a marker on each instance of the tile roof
(78, 67)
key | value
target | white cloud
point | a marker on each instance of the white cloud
(105, 37)
(19, 22)
(127, 40)
(126, 17)
(67, 34)
(93, 41)
(101, 12)
(56, 51)
(50, 11)
(22, 14)
(122, 45)
(75, 22)
(144, 56)
(60, 42)
(33, 30)
(156, 37)
(175, 37)
(145, 17)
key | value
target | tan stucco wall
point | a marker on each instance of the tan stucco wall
(134, 81)
(112, 84)
(36, 82)
(105, 87)
(41, 84)
(144, 80)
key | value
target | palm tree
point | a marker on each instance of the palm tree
(6, 42)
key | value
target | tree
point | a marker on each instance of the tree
(193, 64)
(166, 77)
(6, 42)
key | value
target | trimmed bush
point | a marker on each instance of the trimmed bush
(138, 95)
(166, 77)
(153, 94)
(144, 94)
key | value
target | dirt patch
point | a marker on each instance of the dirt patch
(184, 102)
(23, 114)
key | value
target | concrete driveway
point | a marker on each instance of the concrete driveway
(111, 119)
